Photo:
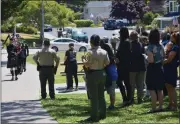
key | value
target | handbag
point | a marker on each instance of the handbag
(112, 72)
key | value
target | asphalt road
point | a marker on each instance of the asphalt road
(90, 31)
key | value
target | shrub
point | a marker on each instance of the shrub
(148, 18)
(148, 27)
(83, 23)
(19, 29)
(71, 25)
(92, 25)
(30, 30)
(4, 28)
(77, 16)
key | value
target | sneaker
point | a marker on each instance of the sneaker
(111, 107)
(24, 70)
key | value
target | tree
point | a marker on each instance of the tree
(8, 8)
(149, 17)
(55, 14)
(129, 9)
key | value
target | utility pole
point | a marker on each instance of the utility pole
(42, 23)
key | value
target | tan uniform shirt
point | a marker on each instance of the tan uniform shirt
(46, 57)
(97, 58)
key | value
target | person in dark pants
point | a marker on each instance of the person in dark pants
(24, 54)
(71, 67)
(137, 67)
(123, 64)
(96, 60)
(110, 82)
(45, 59)
(12, 60)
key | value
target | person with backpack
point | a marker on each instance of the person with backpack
(71, 67)
(137, 67)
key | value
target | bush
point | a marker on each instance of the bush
(77, 16)
(6, 28)
(71, 25)
(148, 27)
(92, 25)
(83, 23)
(19, 29)
(30, 30)
(148, 18)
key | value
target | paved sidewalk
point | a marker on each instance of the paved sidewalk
(20, 99)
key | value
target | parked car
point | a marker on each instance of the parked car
(47, 28)
(67, 32)
(62, 44)
(110, 24)
(79, 36)
(119, 24)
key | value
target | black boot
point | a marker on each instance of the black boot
(16, 73)
(12, 73)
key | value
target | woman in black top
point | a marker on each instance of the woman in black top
(71, 67)
(123, 64)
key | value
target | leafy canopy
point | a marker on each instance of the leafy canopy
(129, 9)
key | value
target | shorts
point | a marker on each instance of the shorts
(111, 89)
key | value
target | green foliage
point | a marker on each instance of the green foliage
(55, 14)
(83, 23)
(155, 24)
(77, 16)
(30, 30)
(149, 17)
(71, 25)
(92, 25)
(148, 27)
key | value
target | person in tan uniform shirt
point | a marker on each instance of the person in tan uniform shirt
(45, 59)
(96, 60)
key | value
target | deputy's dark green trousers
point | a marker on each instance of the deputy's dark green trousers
(96, 84)
(47, 74)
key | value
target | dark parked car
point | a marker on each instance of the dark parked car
(119, 24)
(47, 28)
(110, 24)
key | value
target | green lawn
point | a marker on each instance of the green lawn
(72, 108)
(27, 38)
(58, 77)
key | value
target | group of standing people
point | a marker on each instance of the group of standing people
(17, 54)
(137, 63)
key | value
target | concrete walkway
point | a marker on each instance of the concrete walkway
(20, 99)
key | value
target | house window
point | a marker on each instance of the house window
(173, 6)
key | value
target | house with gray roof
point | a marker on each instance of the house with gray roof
(97, 9)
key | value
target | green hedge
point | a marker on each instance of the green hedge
(83, 23)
